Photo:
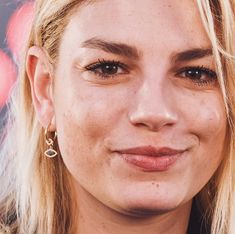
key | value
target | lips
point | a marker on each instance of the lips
(149, 158)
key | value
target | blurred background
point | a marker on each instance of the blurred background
(15, 22)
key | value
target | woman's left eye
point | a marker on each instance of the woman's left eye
(198, 75)
(107, 69)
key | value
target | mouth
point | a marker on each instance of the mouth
(151, 159)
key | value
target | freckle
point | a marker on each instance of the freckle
(156, 184)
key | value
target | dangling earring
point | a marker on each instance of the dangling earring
(50, 152)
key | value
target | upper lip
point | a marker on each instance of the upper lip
(151, 151)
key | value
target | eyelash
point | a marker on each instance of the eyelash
(211, 75)
(101, 65)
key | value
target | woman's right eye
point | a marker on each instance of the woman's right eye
(107, 69)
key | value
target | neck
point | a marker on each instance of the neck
(95, 217)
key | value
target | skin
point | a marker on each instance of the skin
(152, 102)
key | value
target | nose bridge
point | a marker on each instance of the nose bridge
(153, 105)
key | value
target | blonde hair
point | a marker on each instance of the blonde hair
(36, 194)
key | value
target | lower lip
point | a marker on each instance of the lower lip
(151, 163)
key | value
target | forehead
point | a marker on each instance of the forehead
(149, 22)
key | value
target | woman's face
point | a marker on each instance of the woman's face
(139, 114)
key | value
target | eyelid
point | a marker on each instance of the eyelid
(206, 78)
(95, 69)
(202, 68)
(100, 62)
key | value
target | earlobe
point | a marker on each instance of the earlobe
(39, 71)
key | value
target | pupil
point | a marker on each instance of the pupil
(110, 69)
(195, 74)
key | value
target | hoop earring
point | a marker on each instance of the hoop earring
(50, 152)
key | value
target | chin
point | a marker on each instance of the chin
(149, 208)
(144, 212)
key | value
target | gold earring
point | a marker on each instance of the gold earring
(50, 152)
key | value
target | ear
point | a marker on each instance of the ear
(39, 71)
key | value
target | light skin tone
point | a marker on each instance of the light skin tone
(132, 75)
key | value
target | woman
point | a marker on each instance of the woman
(125, 120)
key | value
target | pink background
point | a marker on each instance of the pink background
(15, 22)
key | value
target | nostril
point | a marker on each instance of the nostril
(140, 125)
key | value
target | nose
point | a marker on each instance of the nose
(153, 107)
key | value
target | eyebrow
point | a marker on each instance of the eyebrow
(133, 53)
(191, 54)
(112, 47)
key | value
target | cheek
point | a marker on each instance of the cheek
(205, 117)
(207, 122)
(83, 122)
(77, 139)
